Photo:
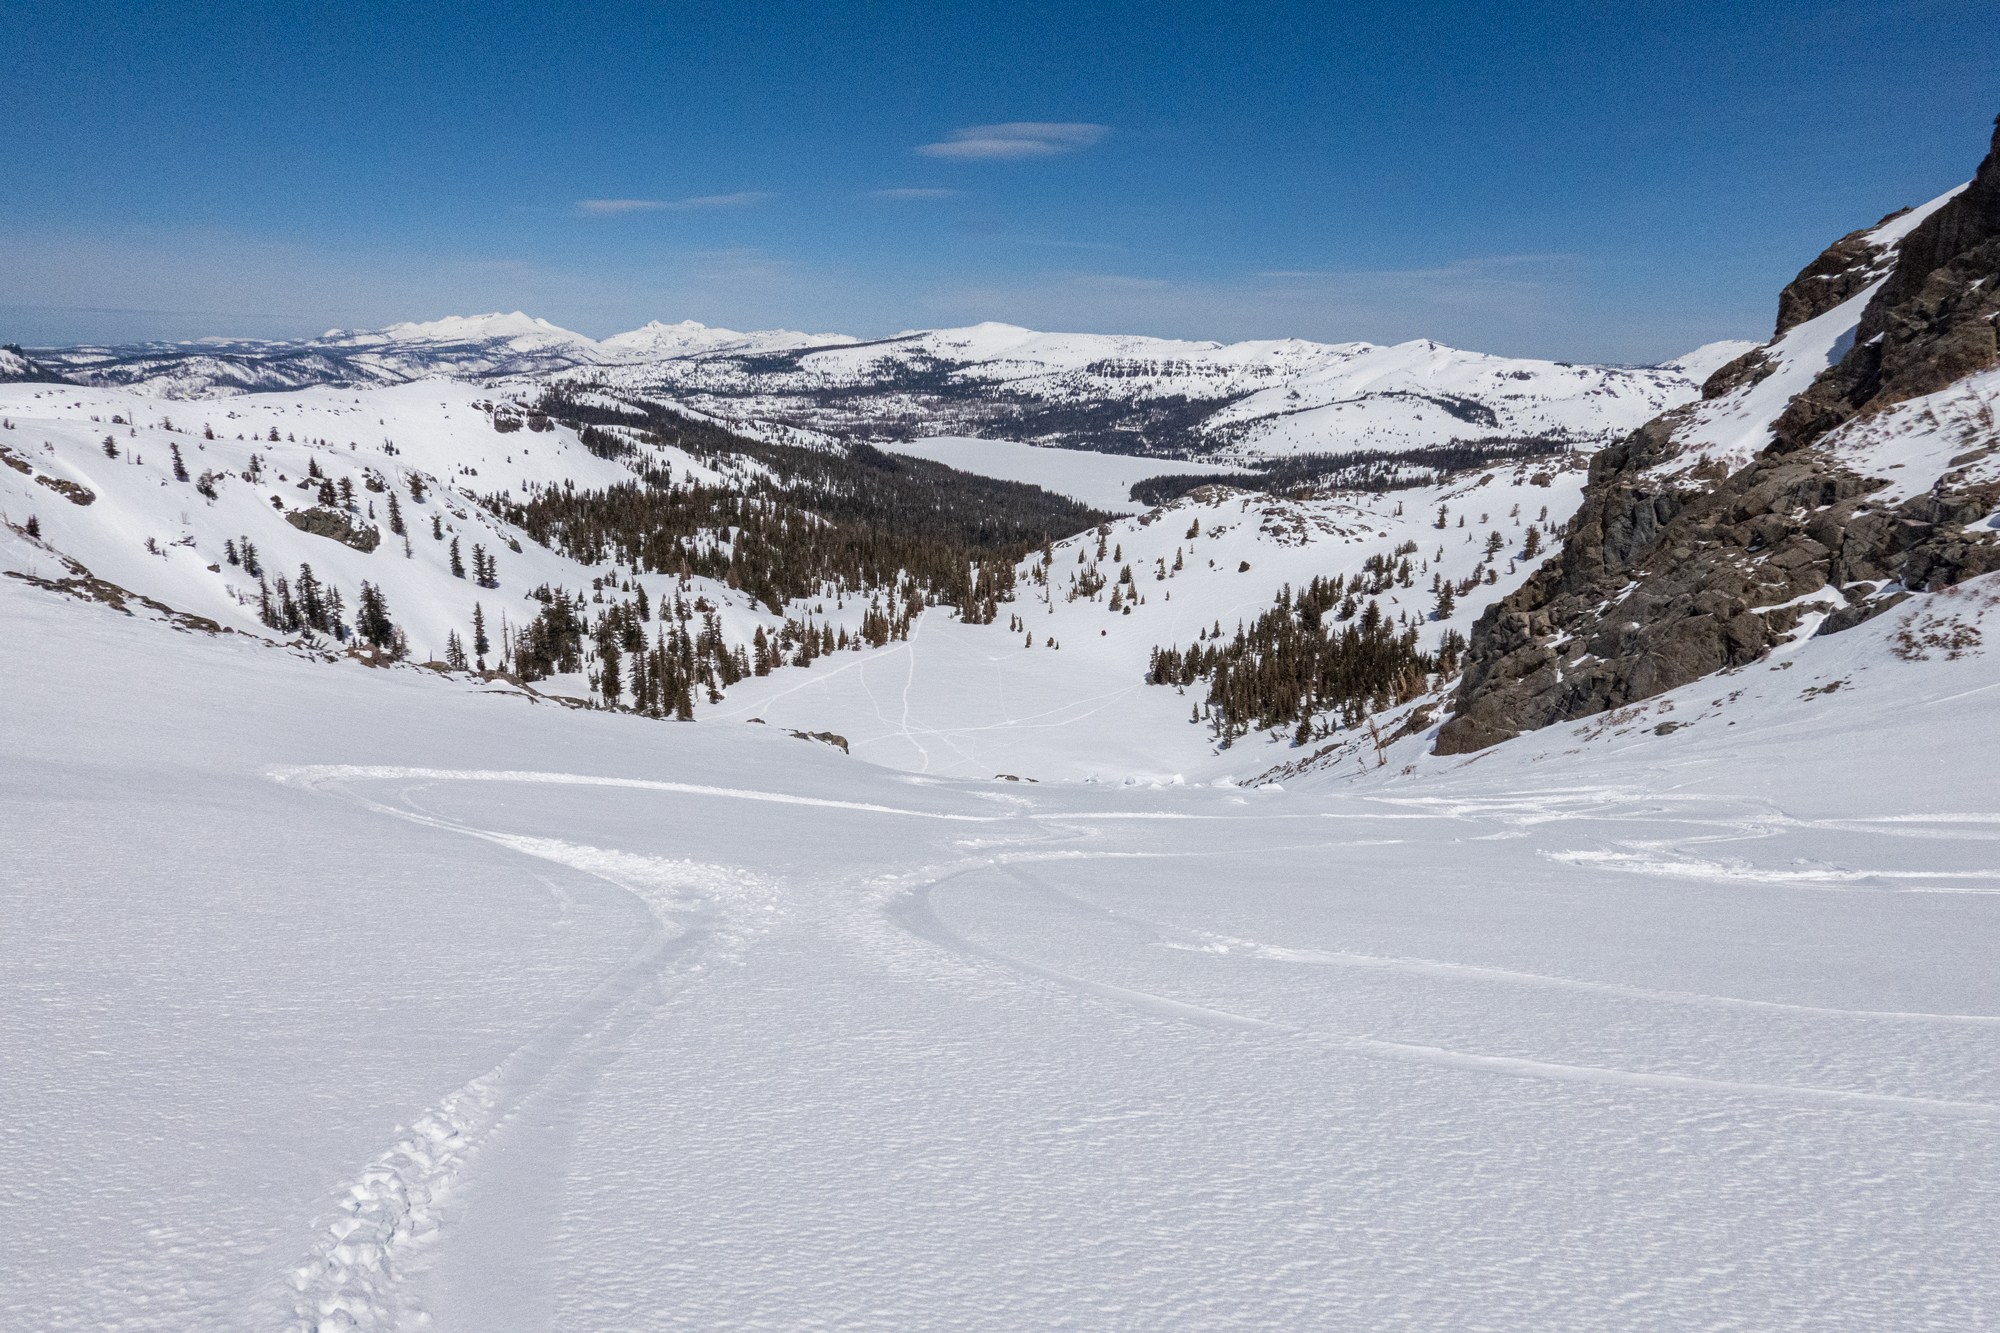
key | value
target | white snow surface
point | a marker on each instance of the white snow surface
(1103, 481)
(342, 998)
(438, 430)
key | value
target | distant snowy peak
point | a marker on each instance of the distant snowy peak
(518, 330)
(661, 341)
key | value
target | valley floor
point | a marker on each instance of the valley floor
(338, 998)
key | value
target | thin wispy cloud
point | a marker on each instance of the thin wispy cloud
(1016, 140)
(606, 208)
(914, 192)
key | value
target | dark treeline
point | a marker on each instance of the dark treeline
(1303, 475)
(1325, 650)
(791, 524)
(804, 523)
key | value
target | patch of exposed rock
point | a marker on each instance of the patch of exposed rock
(1932, 323)
(333, 524)
(1841, 273)
(1670, 572)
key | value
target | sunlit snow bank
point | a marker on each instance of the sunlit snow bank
(336, 997)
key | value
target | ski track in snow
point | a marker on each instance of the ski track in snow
(316, 774)
(914, 912)
(354, 1277)
(1209, 942)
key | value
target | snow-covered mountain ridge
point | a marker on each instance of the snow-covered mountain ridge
(1123, 394)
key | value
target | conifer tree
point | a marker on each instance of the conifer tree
(371, 617)
(608, 680)
(110, 447)
(311, 601)
(457, 562)
(180, 468)
(480, 646)
(395, 515)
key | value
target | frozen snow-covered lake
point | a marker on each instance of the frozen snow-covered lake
(1103, 481)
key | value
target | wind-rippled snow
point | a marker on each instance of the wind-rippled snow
(343, 998)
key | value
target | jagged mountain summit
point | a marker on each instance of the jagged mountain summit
(1125, 394)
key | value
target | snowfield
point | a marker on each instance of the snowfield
(334, 997)
(1102, 481)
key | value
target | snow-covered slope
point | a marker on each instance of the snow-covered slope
(146, 531)
(1057, 690)
(338, 998)
(657, 341)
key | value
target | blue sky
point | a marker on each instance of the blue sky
(1603, 182)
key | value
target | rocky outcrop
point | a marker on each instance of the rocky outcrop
(1660, 583)
(1841, 273)
(1676, 567)
(73, 492)
(17, 367)
(336, 526)
(1753, 367)
(1932, 323)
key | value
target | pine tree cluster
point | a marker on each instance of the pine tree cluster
(1323, 651)
(1302, 476)
(799, 523)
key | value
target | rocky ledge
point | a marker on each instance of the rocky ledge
(1675, 568)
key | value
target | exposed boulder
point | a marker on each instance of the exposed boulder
(69, 490)
(337, 526)
(1753, 367)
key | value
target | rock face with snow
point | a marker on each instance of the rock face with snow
(1826, 476)
(17, 367)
